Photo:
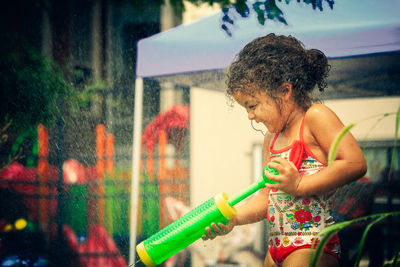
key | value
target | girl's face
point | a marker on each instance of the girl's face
(262, 108)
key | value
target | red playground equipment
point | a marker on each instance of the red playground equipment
(85, 208)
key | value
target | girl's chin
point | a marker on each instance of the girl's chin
(273, 131)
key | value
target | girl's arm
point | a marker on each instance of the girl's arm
(321, 128)
(254, 210)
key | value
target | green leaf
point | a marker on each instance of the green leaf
(393, 262)
(326, 234)
(364, 236)
(335, 145)
(260, 12)
(274, 12)
(396, 134)
(396, 259)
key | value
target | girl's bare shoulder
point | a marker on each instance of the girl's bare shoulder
(321, 126)
(321, 115)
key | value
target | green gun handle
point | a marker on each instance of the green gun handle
(184, 231)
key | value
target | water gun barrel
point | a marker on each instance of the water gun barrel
(184, 231)
(254, 187)
(190, 227)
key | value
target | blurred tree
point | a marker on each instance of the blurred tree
(265, 10)
(30, 84)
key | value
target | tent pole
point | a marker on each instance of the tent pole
(134, 201)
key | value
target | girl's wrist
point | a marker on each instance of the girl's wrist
(234, 221)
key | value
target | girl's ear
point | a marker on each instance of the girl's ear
(286, 90)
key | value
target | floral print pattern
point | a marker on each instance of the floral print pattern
(297, 220)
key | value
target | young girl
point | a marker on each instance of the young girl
(273, 78)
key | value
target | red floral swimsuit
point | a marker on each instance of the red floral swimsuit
(295, 221)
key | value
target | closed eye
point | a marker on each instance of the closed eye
(252, 107)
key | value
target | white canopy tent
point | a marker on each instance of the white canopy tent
(352, 28)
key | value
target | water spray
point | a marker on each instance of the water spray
(190, 227)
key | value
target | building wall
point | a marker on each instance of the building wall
(356, 110)
(220, 145)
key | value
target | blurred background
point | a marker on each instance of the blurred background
(68, 72)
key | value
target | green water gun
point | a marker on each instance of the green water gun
(190, 227)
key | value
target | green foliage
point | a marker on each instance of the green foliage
(396, 136)
(4, 137)
(364, 236)
(265, 10)
(394, 262)
(31, 86)
(324, 236)
(328, 232)
(335, 145)
(90, 93)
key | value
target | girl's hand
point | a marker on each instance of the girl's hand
(288, 178)
(221, 229)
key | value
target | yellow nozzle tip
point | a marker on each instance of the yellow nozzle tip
(221, 200)
(144, 256)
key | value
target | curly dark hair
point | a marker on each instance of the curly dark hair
(267, 62)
